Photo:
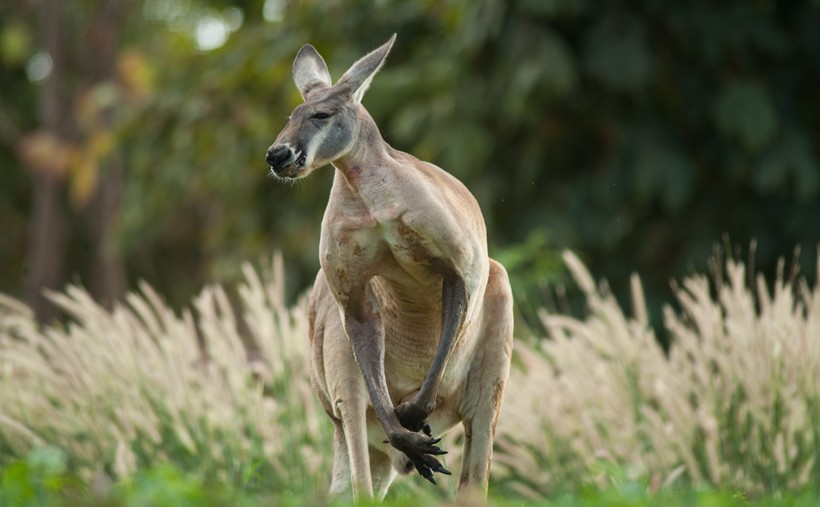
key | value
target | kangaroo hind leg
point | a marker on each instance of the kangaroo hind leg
(356, 439)
(486, 382)
(348, 398)
(382, 471)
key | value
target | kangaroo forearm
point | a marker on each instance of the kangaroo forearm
(453, 309)
(379, 395)
(368, 349)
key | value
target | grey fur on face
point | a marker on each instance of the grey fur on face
(324, 128)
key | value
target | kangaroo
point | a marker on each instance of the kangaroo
(410, 320)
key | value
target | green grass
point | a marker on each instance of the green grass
(45, 479)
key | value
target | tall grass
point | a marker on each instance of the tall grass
(735, 403)
(222, 389)
(216, 392)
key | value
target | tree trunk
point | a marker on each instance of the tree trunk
(108, 278)
(48, 227)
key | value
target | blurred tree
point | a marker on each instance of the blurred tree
(636, 133)
(99, 166)
(45, 154)
(70, 145)
(16, 45)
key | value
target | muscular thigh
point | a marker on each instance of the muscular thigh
(335, 376)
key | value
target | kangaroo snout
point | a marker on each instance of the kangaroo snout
(285, 161)
(280, 156)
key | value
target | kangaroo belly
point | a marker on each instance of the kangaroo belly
(409, 352)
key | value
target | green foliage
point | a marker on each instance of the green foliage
(39, 480)
(637, 134)
(42, 480)
(530, 264)
(743, 112)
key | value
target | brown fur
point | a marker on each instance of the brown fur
(410, 321)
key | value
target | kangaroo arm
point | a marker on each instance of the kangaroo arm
(366, 333)
(453, 310)
(364, 328)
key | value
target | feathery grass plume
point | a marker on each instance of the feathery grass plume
(223, 390)
(140, 385)
(735, 404)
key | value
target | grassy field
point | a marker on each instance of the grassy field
(212, 406)
(44, 479)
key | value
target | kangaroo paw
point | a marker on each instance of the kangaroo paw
(421, 449)
(412, 417)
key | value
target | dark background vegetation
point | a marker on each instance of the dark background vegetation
(636, 133)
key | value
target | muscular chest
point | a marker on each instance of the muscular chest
(350, 253)
(358, 247)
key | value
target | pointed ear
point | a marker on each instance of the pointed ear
(360, 74)
(309, 70)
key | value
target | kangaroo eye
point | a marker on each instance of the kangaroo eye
(321, 116)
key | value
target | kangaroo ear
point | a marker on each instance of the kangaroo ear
(309, 70)
(360, 74)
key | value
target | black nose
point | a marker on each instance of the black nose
(279, 156)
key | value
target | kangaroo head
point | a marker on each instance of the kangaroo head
(326, 126)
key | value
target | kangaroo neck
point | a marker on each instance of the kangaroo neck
(363, 166)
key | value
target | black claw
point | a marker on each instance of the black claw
(385, 441)
(435, 441)
(425, 472)
(428, 474)
(427, 431)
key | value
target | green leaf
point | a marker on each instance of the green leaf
(15, 43)
(744, 111)
(617, 55)
(560, 75)
(16, 486)
(664, 172)
(792, 157)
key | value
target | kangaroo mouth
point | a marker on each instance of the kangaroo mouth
(301, 158)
